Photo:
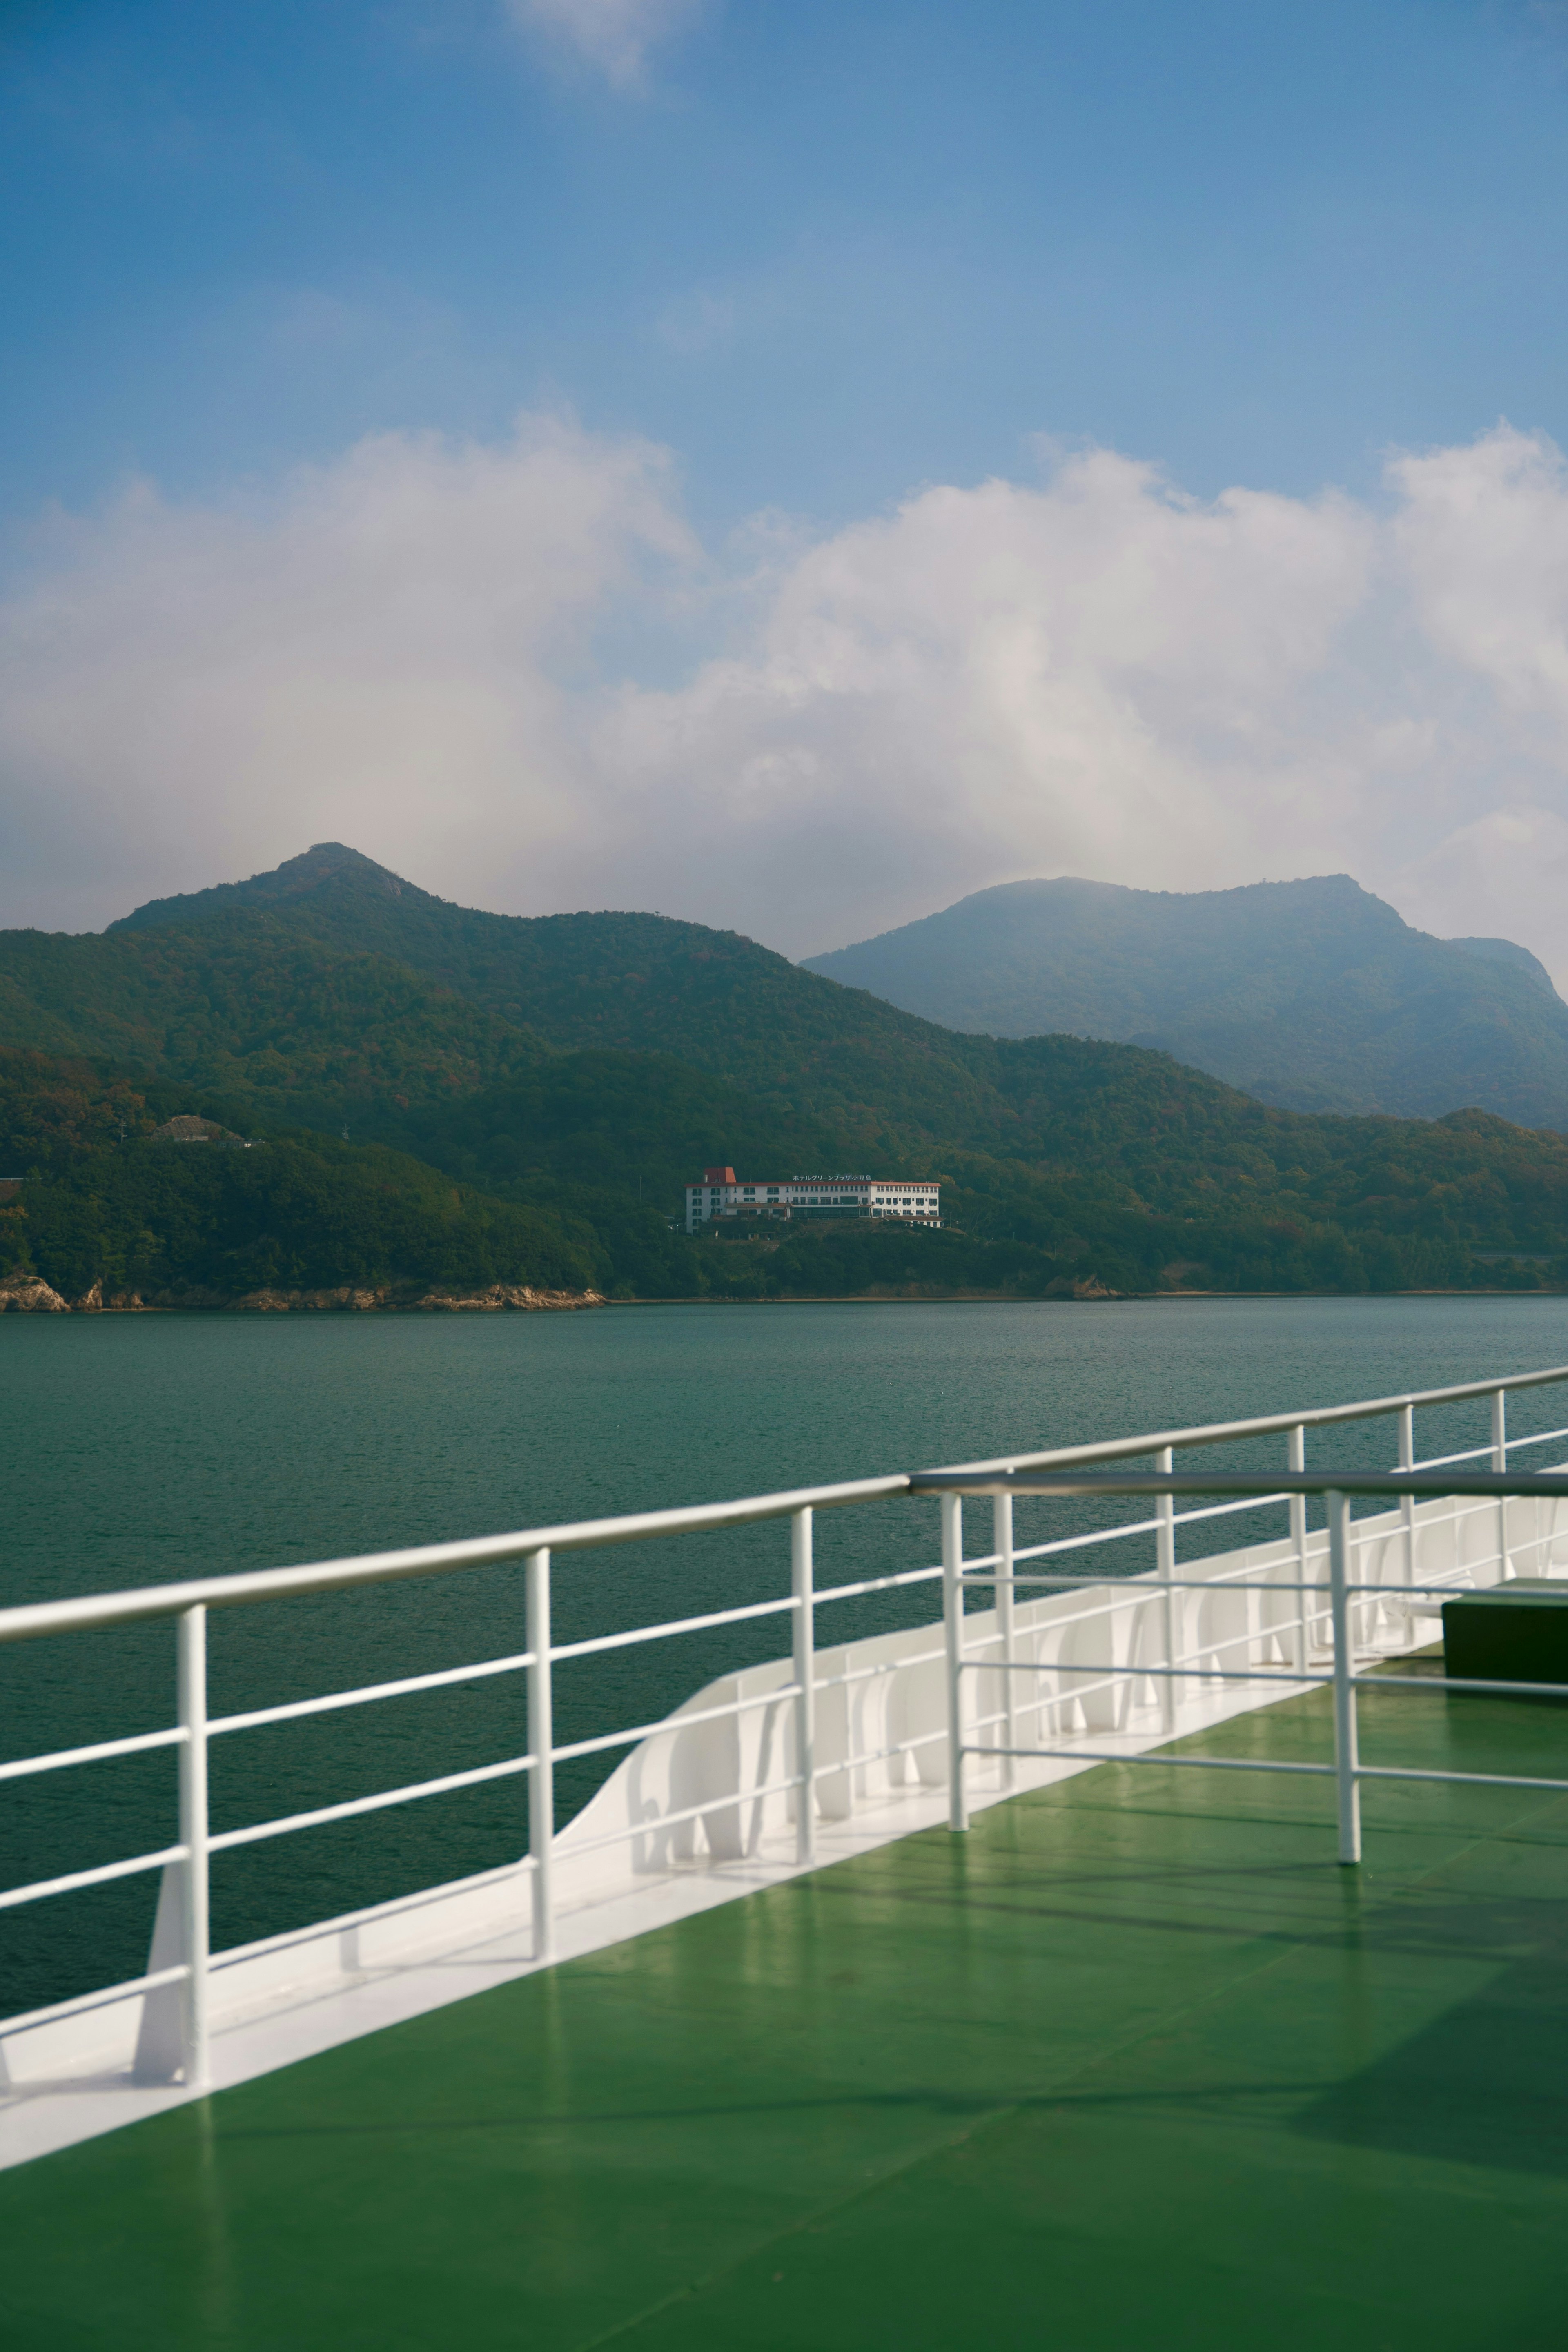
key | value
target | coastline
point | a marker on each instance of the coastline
(30, 1295)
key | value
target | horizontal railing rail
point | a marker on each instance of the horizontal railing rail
(247, 1587)
(1080, 1596)
(1269, 1425)
(1336, 1488)
(1255, 1487)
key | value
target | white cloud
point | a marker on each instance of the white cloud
(376, 653)
(1088, 674)
(614, 37)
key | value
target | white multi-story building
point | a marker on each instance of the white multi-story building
(915, 1201)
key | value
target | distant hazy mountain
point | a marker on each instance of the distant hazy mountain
(1313, 995)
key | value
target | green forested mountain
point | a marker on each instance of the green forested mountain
(566, 1180)
(1313, 995)
(579, 1069)
(257, 1010)
(103, 1201)
(645, 983)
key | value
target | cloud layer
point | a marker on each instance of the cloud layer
(613, 37)
(425, 650)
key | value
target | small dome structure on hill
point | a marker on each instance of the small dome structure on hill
(187, 1128)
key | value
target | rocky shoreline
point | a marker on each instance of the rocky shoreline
(28, 1294)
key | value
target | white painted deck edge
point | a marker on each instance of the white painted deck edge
(37, 2119)
(71, 2081)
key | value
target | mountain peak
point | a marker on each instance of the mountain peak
(326, 866)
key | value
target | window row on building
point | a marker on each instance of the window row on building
(914, 1199)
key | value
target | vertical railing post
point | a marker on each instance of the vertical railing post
(542, 1743)
(1347, 1785)
(805, 1684)
(1296, 1459)
(1500, 1463)
(195, 1928)
(1165, 1565)
(952, 1626)
(1006, 1626)
(1407, 1502)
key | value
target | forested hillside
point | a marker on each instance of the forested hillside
(644, 982)
(614, 1055)
(256, 1011)
(101, 1201)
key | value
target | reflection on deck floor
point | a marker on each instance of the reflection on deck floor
(1134, 2065)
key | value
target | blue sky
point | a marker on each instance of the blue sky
(816, 260)
(824, 250)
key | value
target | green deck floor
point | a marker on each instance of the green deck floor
(1134, 2065)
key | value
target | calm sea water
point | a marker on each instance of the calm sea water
(142, 1449)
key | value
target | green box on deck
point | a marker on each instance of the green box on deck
(1518, 1632)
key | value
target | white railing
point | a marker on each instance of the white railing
(1255, 1621)
(1345, 1638)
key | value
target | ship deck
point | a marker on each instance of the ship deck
(1134, 2063)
